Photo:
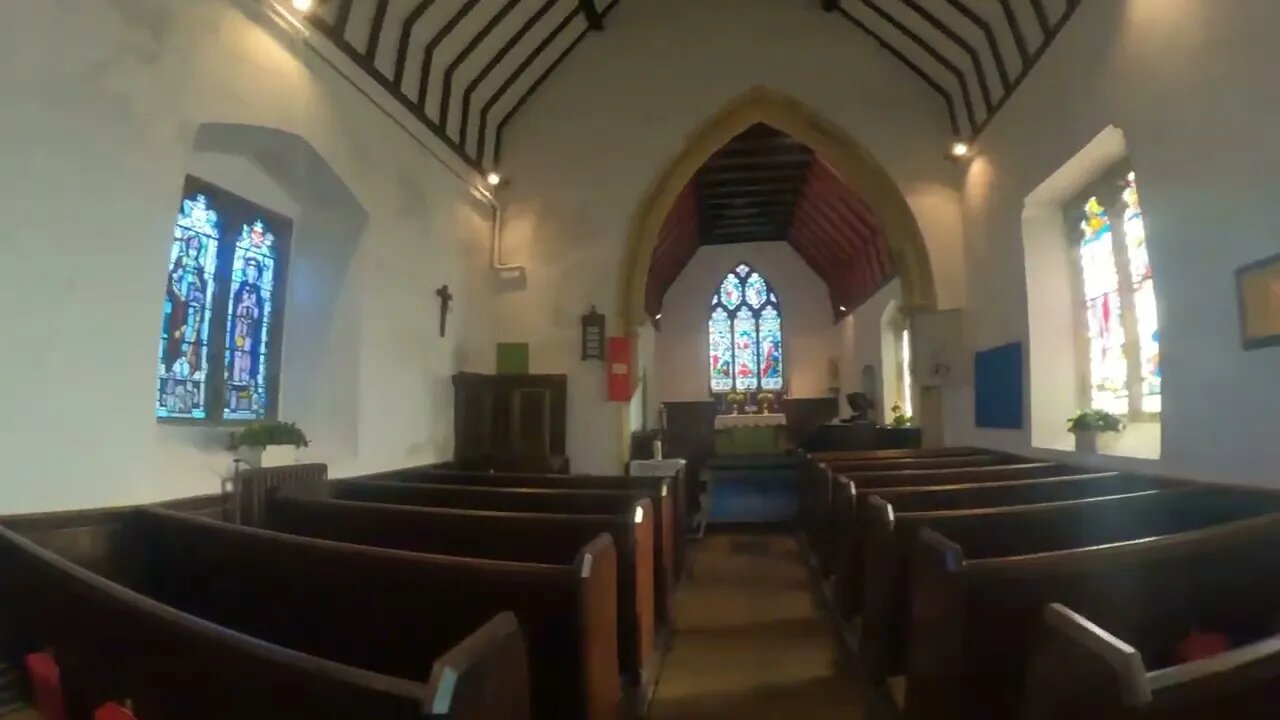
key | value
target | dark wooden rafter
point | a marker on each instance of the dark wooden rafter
(446, 88)
(984, 27)
(932, 52)
(495, 61)
(406, 35)
(542, 78)
(429, 53)
(592, 14)
(979, 71)
(910, 65)
(343, 17)
(899, 15)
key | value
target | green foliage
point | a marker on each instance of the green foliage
(1099, 421)
(269, 432)
(900, 418)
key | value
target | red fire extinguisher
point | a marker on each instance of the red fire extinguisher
(618, 362)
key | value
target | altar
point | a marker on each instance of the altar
(751, 434)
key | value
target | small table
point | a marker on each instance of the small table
(751, 434)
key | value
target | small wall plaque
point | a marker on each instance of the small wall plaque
(593, 335)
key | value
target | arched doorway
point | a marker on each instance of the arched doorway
(855, 166)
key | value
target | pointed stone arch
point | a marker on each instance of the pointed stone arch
(855, 165)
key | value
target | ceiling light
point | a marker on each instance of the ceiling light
(492, 178)
(658, 316)
(960, 149)
(303, 5)
(843, 309)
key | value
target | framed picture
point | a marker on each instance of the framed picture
(1258, 286)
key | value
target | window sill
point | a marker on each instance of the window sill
(1140, 440)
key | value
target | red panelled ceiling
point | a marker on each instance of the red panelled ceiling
(765, 186)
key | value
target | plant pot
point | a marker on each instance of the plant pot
(1087, 442)
(270, 456)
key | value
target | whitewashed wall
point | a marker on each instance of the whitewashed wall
(585, 149)
(863, 342)
(1191, 85)
(809, 336)
(103, 105)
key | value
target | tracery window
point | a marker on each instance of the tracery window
(744, 334)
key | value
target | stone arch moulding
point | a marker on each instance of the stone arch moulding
(855, 165)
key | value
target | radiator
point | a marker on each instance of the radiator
(250, 488)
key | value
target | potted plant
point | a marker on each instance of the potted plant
(767, 403)
(900, 418)
(1088, 425)
(269, 443)
(736, 401)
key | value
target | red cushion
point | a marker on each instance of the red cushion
(1200, 645)
(112, 711)
(46, 686)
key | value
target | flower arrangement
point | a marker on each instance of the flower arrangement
(736, 400)
(1095, 421)
(900, 418)
(267, 433)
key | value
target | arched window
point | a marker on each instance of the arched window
(745, 334)
(219, 342)
(1119, 302)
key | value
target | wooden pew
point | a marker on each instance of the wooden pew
(384, 610)
(112, 643)
(666, 493)
(1014, 531)
(979, 614)
(502, 499)
(834, 517)
(847, 583)
(1080, 670)
(899, 453)
(515, 537)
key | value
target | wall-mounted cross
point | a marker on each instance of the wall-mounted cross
(445, 298)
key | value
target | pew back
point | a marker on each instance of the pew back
(514, 537)
(385, 610)
(177, 665)
(1016, 531)
(1080, 670)
(980, 614)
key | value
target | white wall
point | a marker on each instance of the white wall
(808, 334)
(588, 145)
(1192, 87)
(863, 342)
(105, 104)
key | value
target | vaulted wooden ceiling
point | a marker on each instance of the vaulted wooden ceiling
(765, 186)
(465, 68)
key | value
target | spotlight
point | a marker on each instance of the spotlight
(303, 6)
(492, 178)
(658, 316)
(843, 309)
(960, 149)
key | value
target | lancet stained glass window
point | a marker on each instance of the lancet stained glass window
(1119, 303)
(744, 334)
(220, 337)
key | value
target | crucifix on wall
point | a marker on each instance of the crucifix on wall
(445, 298)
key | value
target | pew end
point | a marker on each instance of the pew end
(484, 677)
(597, 570)
(1079, 670)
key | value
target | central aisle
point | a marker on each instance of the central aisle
(750, 642)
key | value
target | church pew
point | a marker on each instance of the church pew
(1080, 670)
(979, 614)
(898, 453)
(112, 643)
(840, 516)
(666, 493)
(1013, 531)
(847, 585)
(385, 610)
(830, 515)
(515, 537)
(502, 499)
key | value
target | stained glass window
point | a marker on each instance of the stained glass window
(1119, 304)
(221, 366)
(744, 334)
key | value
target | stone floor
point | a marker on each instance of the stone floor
(750, 641)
